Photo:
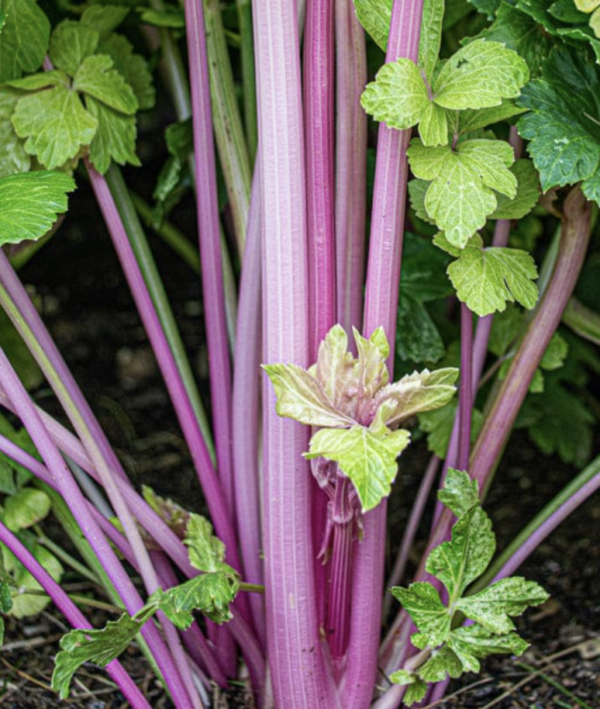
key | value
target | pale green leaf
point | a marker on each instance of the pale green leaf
(26, 507)
(25, 38)
(375, 16)
(487, 278)
(417, 189)
(334, 369)
(26, 604)
(206, 551)
(372, 372)
(71, 43)
(527, 196)
(301, 397)
(442, 243)
(459, 562)
(480, 75)
(419, 391)
(210, 594)
(35, 82)
(30, 202)
(491, 160)
(433, 126)
(431, 36)
(495, 605)
(443, 662)
(422, 602)
(403, 677)
(13, 157)
(132, 67)
(97, 78)
(369, 460)
(472, 642)
(114, 139)
(459, 493)
(104, 18)
(415, 692)
(398, 96)
(472, 120)
(97, 646)
(55, 124)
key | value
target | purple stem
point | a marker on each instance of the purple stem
(246, 409)
(26, 411)
(351, 164)
(295, 655)
(210, 247)
(71, 613)
(466, 387)
(381, 305)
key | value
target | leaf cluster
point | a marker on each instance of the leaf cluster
(448, 648)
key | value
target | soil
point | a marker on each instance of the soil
(88, 308)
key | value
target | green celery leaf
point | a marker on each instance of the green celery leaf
(486, 278)
(443, 662)
(365, 455)
(210, 593)
(438, 424)
(335, 366)
(301, 397)
(13, 157)
(417, 189)
(442, 243)
(460, 195)
(562, 125)
(55, 124)
(459, 562)
(528, 193)
(97, 646)
(5, 592)
(114, 139)
(2, 23)
(375, 16)
(422, 602)
(372, 370)
(473, 642)
(29, 203)
(403, 677)
(487, 7)
(25, 604)
(25, 38)
(172, 17)
(35, 82)
(419, 391)
(71, 43)
(104, 19)
(207, 551)
(493, 607)
(469, 121)
(459, 493)
(398, 96)
(480, 75)
(132, 67)
(431, 36)
(25, 508)
(555, 354)
(417, 337)
(415, 692)
(97, 78)
(433, 126)
(505, 328)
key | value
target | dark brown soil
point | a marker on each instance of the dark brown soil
(89, 310)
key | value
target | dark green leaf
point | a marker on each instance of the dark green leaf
(172, 17)
(528, 193)
(417, 337)
(114, 139)
(438, 424)
(25, 38)
(104, 18)
(132, 67)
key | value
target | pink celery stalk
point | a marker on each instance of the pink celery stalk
(78, 506)
(71, 613)
(296, 660)
(381, 305)
(351, 165)
(246, 409)
(210, 247)
(466, 387)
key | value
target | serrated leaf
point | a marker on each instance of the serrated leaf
(35, 82)
(104, 18)
(487, 278)
(132, 67)
(417, 337)
(97, 78)
(71, 43)
(417, 189)
(473, 642)
(480, 75)
(495, 605)
(335, 367)
(372, 372)
(206, 551)
(438, 424)
(301, 397)
(375, 17)
(459, 562)
(210, 593)
(55, 124)
(442, 243)
(30, 202)
(25, 38)
(433, 125)
(422, 602)
(431, 36)
(114, 139)
(25, 508)
(460, 195)
(419, 391)
(97, 646)
(366, 458)
(459, 493)
(443, 662)
(398, 96)
(562, 125)
(528, 193)
(469, 121)
(13, 157)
